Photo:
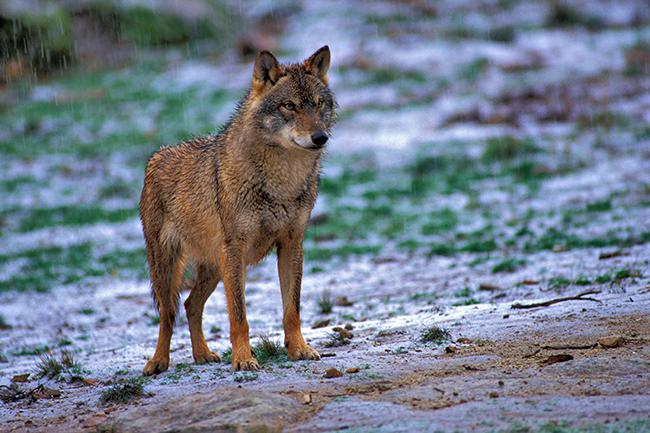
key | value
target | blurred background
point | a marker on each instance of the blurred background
(487, 150)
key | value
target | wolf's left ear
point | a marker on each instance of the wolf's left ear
(319, 63)
(266, 71)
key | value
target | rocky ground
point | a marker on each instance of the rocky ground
(489, 156)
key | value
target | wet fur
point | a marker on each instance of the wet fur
(223, 202)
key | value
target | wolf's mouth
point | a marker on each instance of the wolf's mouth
(310, 146)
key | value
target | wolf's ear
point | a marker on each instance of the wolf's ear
(266, 71)
(319, 63)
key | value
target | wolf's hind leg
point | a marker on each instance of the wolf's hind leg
(207, 278)
(166, 267)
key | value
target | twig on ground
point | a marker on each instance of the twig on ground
(578, 297)
(571, 346)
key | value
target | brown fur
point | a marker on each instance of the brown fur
(224, 202)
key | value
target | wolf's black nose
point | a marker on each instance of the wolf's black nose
(319, 138)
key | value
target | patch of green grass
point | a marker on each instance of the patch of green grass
(318, 254)
(245, 376)
(124, 391)
(267, 350)
(435, 334)
(87, 311)
(44, 268)
(468, 301)
(463, 293)
(38, 349)
(335, 339)
(325, 303)
(510, 264)
(68, 215)
(563, 14)
(474, 69)
(14, 184)
(616, 275)
(554, 237)
(62, 368)
(393, 75)
(443, 220)
(558, 282)
(507, 148)
(226, 356)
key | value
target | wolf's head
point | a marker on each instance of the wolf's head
(292, 104)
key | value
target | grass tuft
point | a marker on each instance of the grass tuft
(336, 339)
(62, 368)
(267, 350)
(124, 391)
(226, 356)
(325, 302)
(435, 334)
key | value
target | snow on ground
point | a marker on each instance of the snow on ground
(484, 156)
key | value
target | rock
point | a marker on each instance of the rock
(20, 378)
(223, 409)
(45, 392)
(321, 324)
(611, 254)
(529, 282)
(344, 333)
(331, 373)
(349, 326)
(306, 398)
(493, 394)
(554, 359)
(464, 340)
(451, 349)
(352, 370)
(343, 301)
(611, 341)
(489, 287)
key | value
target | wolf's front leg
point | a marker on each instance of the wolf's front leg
(290, 271)
(233, 270)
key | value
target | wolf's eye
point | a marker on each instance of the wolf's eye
(289, 106)
(320, 102)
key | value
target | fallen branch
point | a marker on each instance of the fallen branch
(578, 297)
(571, 347)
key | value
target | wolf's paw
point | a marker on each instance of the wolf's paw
(249, 363)
(302, 351)
(206, 357)
(155, 366)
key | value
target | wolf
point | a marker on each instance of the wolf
(224, 201)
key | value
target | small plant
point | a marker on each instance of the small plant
(226, 356)
(49, 366)
(435, 334)
(3, 323)
(245, 376)
(154, 319)
(267, 350)
(325, 302)
(336, 339)
(215, 330)
(124, 391)
(64, 367)
(508, 265)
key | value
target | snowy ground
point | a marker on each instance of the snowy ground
(488, 153)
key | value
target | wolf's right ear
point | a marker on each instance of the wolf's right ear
(266, 71)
